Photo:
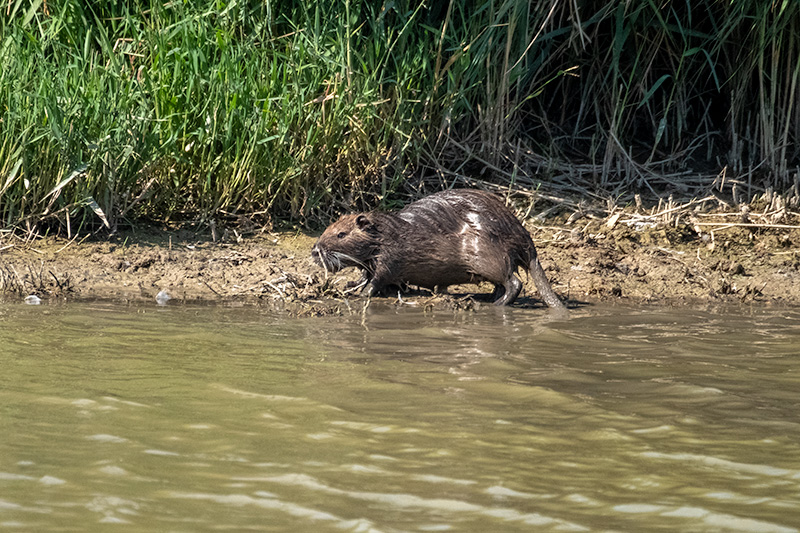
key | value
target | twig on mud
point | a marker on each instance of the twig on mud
(668, 251)
(275, 288)
(728, 225)
(27, 240)
(71, 241)
(19, 278)
(210, 288)
(687, 205)
(790, 252)
(8, 282)
(355, 288)
(237, 258)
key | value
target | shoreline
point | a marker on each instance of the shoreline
(602, 260)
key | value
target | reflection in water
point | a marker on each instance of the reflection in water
(195, 418)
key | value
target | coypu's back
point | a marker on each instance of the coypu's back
(466, 211)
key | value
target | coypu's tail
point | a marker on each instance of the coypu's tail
(543, 285)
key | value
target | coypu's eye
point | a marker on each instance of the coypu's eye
(342, 235)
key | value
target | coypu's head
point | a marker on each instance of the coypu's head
(353, 240)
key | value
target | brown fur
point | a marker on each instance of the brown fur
(448, 238)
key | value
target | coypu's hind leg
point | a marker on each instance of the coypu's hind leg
(512, 287)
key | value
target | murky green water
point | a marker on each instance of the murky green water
(141, 418)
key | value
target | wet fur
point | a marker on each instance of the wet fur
(448, 238)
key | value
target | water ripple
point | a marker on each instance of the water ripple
(267, 500)
(718, 521)
(723, 463)
(403, 501)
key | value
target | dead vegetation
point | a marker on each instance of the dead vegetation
(33, 279)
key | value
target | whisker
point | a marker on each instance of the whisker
(339, 256)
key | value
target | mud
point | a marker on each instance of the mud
(612, 259)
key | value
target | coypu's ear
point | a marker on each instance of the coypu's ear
(363, 222)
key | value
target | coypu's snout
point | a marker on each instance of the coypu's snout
(325, 259)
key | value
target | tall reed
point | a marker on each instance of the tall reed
(112, 112)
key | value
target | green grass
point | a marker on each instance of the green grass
(208, 110)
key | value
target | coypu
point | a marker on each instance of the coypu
(448, 238)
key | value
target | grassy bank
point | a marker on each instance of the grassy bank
(197, 111)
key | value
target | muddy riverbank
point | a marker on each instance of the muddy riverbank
(624, 256)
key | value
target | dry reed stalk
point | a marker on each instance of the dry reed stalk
(728, 225)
